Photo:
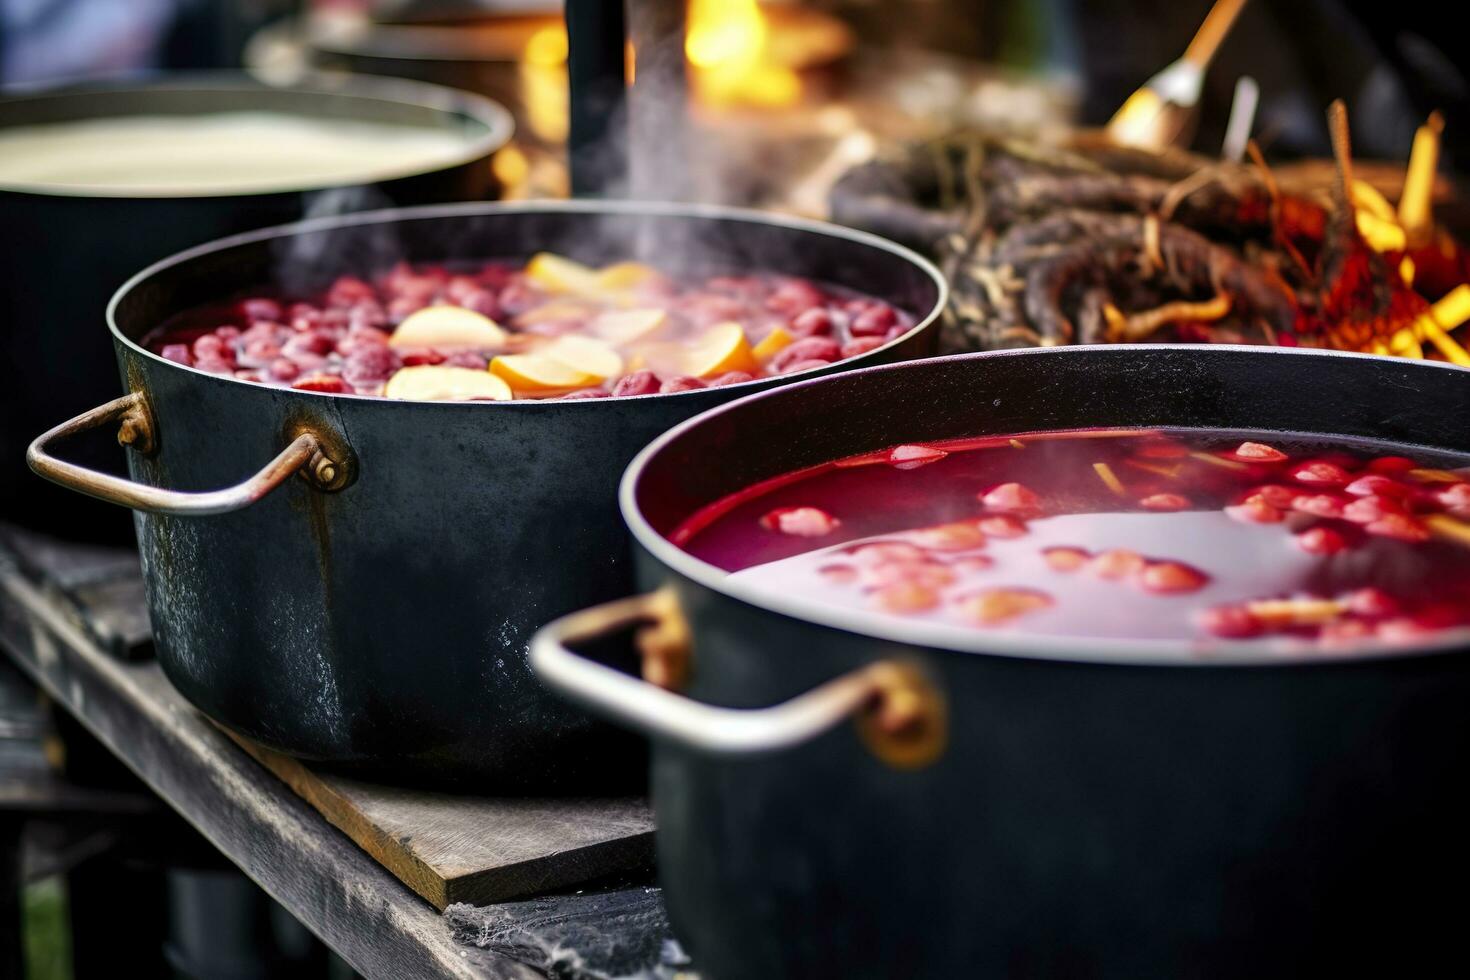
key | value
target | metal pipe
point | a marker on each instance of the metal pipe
(597, 136)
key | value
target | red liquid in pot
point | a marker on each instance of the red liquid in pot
(1158, 534)
(549, 329)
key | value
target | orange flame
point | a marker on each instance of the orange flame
(727, 43)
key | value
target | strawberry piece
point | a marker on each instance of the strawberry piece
(1003, 526)
(1064, 559)
(1165, 502)
(1171, 577)
(1256, 511)
(1320, 541)
(912, 457)
(1117, 563)
(1230, 622)
(1320, 474)
(1259, 452)
(803, 522)
(1320, 504)
(1011, 497)
(1400, 527)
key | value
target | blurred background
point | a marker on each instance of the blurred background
(764, 104)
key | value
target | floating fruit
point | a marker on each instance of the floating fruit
(558, 274)
(721, 348)
(585, 354)
(772, 344)
(803, 522)
(624, 275)
(443, 383)
(448, 326)
(996, 606)
(629, 326)
(536, 373)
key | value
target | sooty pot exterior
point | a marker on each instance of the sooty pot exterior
(66, 253)
(1085, 817)
(383, 626)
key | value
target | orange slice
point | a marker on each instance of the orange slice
(772, 343)
(722, 348)
(448, 326)
(557, 274)
(585, 354)
(628, 326)
(443, 383)
(538, 373)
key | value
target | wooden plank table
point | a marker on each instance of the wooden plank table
(352, 902)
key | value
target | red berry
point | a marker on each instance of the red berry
(1003, 526)
(1117, 563)
(806, 349)
(322, 382)
(1392, 465)
(1319, 473)
(861, 345)
(806, 365)
(1274, 494)
(805, 522)
(731, 378)
(1171, 577)
(177, 352)
(912, 457)
(1230, 622)
(811, 323)
(1366, 510)
(680, 383)
(1401, 527)
(637, 383)
(1372, 603)
(1011, 497)
(1382, 486)
(1320, 504)
(1165, 501)
(1259, 452)
(1065, 559)
(874, 321)
(1320, 541)
(1256, 511)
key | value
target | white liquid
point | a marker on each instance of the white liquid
(229, 153)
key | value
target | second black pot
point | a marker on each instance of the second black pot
(1055, 807)
(375, 614)
(65, 252)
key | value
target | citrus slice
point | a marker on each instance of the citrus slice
(557, 274)
(628, 326)
(443, 383)
(447, 326)
(722, 348)
(772, 343)
(585, 354)
(538, 373)
(624, 275)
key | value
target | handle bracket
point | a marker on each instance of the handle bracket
(901, 716)
(326, 463)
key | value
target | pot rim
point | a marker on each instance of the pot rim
(1265, 653)
(497, 120)
(473, 209)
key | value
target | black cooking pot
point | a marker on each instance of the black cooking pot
(65, 251)
(376, 613)
(1035, 807)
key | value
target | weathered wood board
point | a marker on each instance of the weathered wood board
(454, 848)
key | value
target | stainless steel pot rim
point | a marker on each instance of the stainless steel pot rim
(436, 211)
(498, 122)
(1259, 654)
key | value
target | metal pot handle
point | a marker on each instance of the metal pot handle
(307, 453)
(900, 715)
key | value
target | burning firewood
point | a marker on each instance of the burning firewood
(1094, 243)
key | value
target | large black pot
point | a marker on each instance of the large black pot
(1015, 807)
(376, 614)
(63, 253)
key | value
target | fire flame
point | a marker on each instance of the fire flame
(727, 44)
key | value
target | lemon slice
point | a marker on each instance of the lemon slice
(538, 373)
(585, 354)
(628, 326)
(772, 343)
(722, 348)
(557, 274)
(624, 275)
(443, 383)
(447, 326)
